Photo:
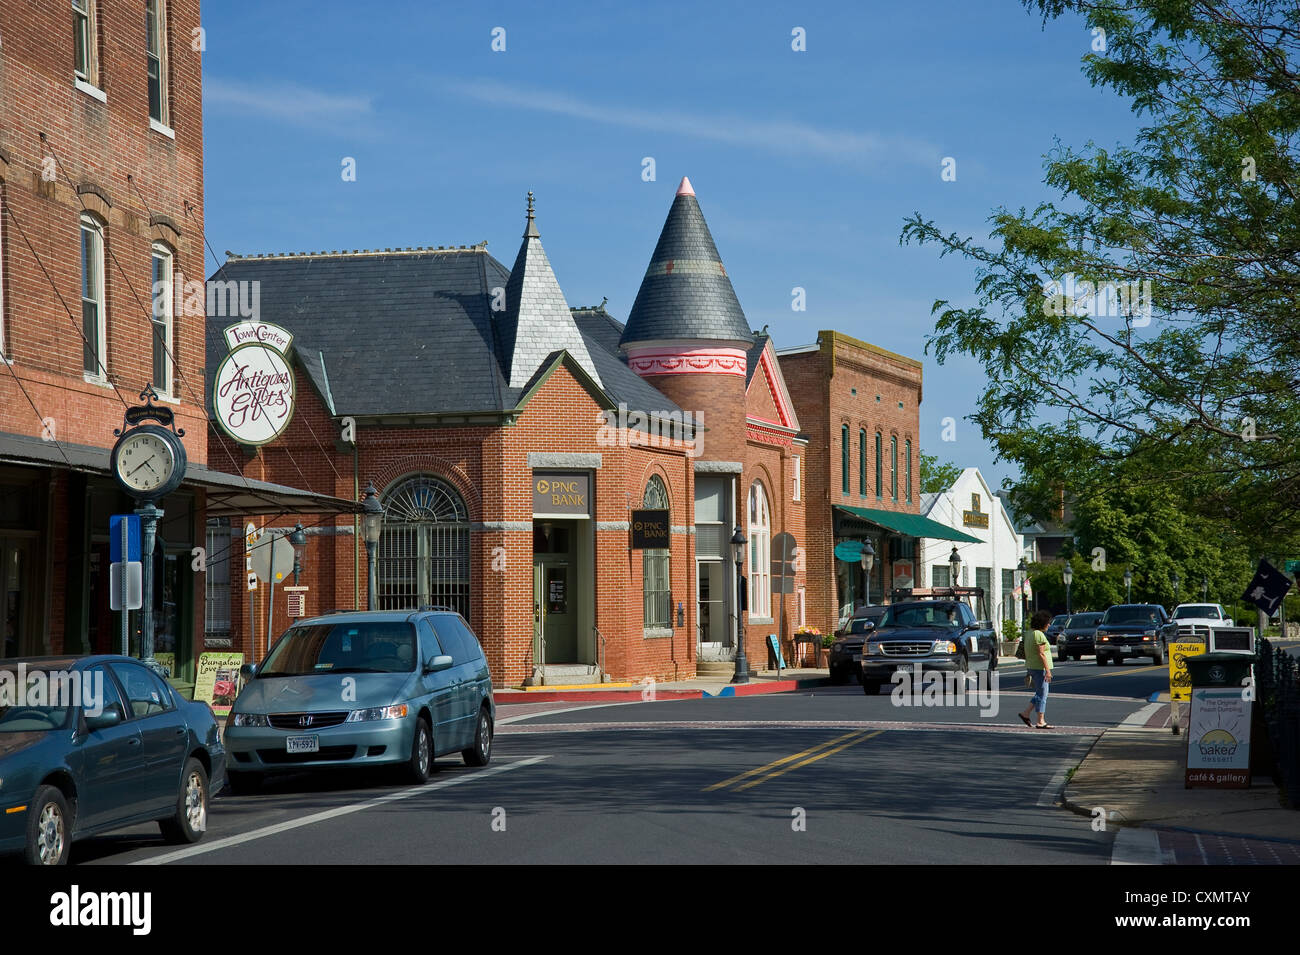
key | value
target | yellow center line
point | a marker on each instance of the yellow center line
(805, 762)
(781, 762)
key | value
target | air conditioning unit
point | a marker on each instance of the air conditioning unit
(1232, 640)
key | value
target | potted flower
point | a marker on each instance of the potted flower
(811, 635)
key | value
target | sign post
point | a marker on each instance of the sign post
(125, 571)
(783, 549)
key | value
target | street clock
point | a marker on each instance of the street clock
(148, 460)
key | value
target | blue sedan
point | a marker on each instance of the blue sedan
(91, 744)
(352, 690)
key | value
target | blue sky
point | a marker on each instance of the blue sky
(805, 163)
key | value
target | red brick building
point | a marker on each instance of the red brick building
(472, 392)
(860, 409)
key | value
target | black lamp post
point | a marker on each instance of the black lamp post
(1205, 589)
(1022, 578)
(738, 552)
(1128, 586)
(1067, 575)
(1176, 581)
(868, 560)
(372, 525)
(954, 567)
(299, 540)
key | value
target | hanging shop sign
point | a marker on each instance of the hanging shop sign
(253, 391)
(650, 529)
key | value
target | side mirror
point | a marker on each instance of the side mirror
(248, 671)
(111, 715)
(438, 663)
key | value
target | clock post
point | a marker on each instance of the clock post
(148, 462)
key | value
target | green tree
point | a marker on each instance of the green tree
(1147, 325)
(936, 475)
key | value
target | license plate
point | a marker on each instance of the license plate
(302, 744)
(1125, 649)
(905, 667)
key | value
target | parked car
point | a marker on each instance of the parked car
(117, 746)
(1054, 629)
(937, 634)
(351, 690)
(1077, 637)
(847, 647)
(1133, 630)
(1194, 619)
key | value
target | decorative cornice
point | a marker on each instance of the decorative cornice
(719, 467)
(547, 459)
(687, 361)
(763, 435)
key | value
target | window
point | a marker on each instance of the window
(802, 607)
(656, 584)
(110, 700)
(893, 468)
(85, 61)
(907, 445)
(940, 576)
(760, 552)
(878, 455)
(844, 457)
(156, 54)
(93, 320)
(146, 693)
(2, 273)
(163, 324)
(797, 477)
(216, 584)
(862, 461)
(424, 549)
(457, 639)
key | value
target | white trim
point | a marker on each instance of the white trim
(94, 92)
(160, 250)
(798, 478)
(158, 127)
(100, 374)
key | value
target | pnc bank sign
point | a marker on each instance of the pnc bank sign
(561, 492)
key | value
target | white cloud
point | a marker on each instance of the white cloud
(772, 135)
(289, 102)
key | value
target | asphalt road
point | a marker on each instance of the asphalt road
(828, 775)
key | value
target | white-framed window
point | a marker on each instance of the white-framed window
(163, 322)
(217, 593)
(760, 552)
(798, 479)
(156, 55)
(2, 273)
(803, 620)
(85, 50)
(94, 320)
(656, 582)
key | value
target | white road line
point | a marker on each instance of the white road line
(567, 709)
(1057, 782)
(1017, 728)
(1139, 847)
(314, 818)
(1140, 717)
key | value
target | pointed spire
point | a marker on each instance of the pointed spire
(686, 294)
(537, 320)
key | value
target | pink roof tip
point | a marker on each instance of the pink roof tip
(685, 188)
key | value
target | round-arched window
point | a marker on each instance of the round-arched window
(423, 555)
(760, 552)
(655, 579)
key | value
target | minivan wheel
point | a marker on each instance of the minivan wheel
(421, 761)
(191, 819)
(49, 828)
(481, 751)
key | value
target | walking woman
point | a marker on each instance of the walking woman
(1038, 662)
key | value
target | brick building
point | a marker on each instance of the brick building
(468, 393)
(101, 294)
(860, 409)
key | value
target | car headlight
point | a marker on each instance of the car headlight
(944, 646)
(1102, 636)
(394, 712)
(839, 647)
(251, 719)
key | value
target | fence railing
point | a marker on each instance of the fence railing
(1278, 676)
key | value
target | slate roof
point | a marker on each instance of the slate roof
(686, 293)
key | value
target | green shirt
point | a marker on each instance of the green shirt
(1032, 659)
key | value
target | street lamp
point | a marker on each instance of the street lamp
(1022, 576)
(1176, 580)
(954, 566)
(738, 552)
(372, 525)
(1205, 589)
(868, 560)
(1067, 575)
(299, 540)
(1128, 586)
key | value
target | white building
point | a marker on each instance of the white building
(971, 507)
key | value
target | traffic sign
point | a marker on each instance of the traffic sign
(126, 585)
(115, 522)
(783, 555)
(272, 557)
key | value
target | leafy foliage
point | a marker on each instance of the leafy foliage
(937, 476)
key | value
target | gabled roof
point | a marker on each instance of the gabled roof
(762, 356)
(686, 294)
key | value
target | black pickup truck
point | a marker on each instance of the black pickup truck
(935, 628)
(1133, 630)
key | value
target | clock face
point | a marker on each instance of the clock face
(145, 462)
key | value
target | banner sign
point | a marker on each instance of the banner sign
(1218, 740)
(253, 391)
(650, 529)
(216, 680)
(561, 493)
(1267, 588)
(1180, 680)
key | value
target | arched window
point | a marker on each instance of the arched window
(656, 583)
(893, 467)
(423, 555)
(878, 459)
(844, 456)
(760, 552)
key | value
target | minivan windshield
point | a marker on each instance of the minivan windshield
(1130, 615)
(380, 647)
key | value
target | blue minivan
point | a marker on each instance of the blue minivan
(359, 689)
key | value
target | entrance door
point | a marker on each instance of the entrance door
(712, 615)
(553, 591)
(15, 591)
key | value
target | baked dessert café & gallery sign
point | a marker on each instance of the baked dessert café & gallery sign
(252, 393)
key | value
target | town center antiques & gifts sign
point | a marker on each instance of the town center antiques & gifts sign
(253, 391)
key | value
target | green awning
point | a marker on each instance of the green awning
(913, 525)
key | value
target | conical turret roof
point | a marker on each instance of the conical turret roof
(686, 293)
